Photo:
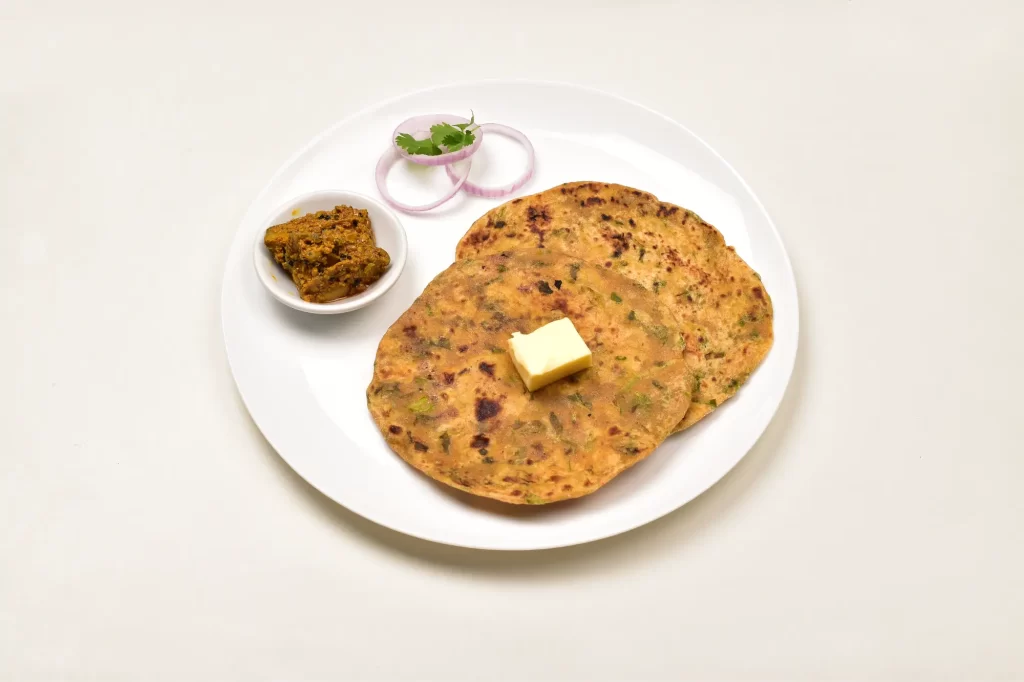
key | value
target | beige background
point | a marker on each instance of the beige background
(147, 531)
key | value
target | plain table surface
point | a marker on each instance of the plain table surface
(875, 531)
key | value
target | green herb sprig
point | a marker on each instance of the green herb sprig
(444, 138)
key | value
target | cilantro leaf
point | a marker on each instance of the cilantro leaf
(439, 132)
(454, 138)
(414, 146)
(454, 143)
(444, 137)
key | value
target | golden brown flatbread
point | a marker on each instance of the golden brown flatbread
(723, 310)
(449, 401)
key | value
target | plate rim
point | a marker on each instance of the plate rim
(790, 276)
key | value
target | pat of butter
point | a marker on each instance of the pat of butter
(550, 353)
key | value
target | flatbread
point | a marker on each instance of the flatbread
(449, 401)
(723, 310)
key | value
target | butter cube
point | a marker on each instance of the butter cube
(550, 353)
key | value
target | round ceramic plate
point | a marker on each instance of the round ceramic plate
(303, 377)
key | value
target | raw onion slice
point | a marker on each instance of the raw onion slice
(387, 160)
(419, 128)
(505, 190)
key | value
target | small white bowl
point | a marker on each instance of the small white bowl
(387, 230)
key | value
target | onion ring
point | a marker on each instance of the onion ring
(387, 160)
(505, 190)
(421, 124)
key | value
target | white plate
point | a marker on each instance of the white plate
(303, 377)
